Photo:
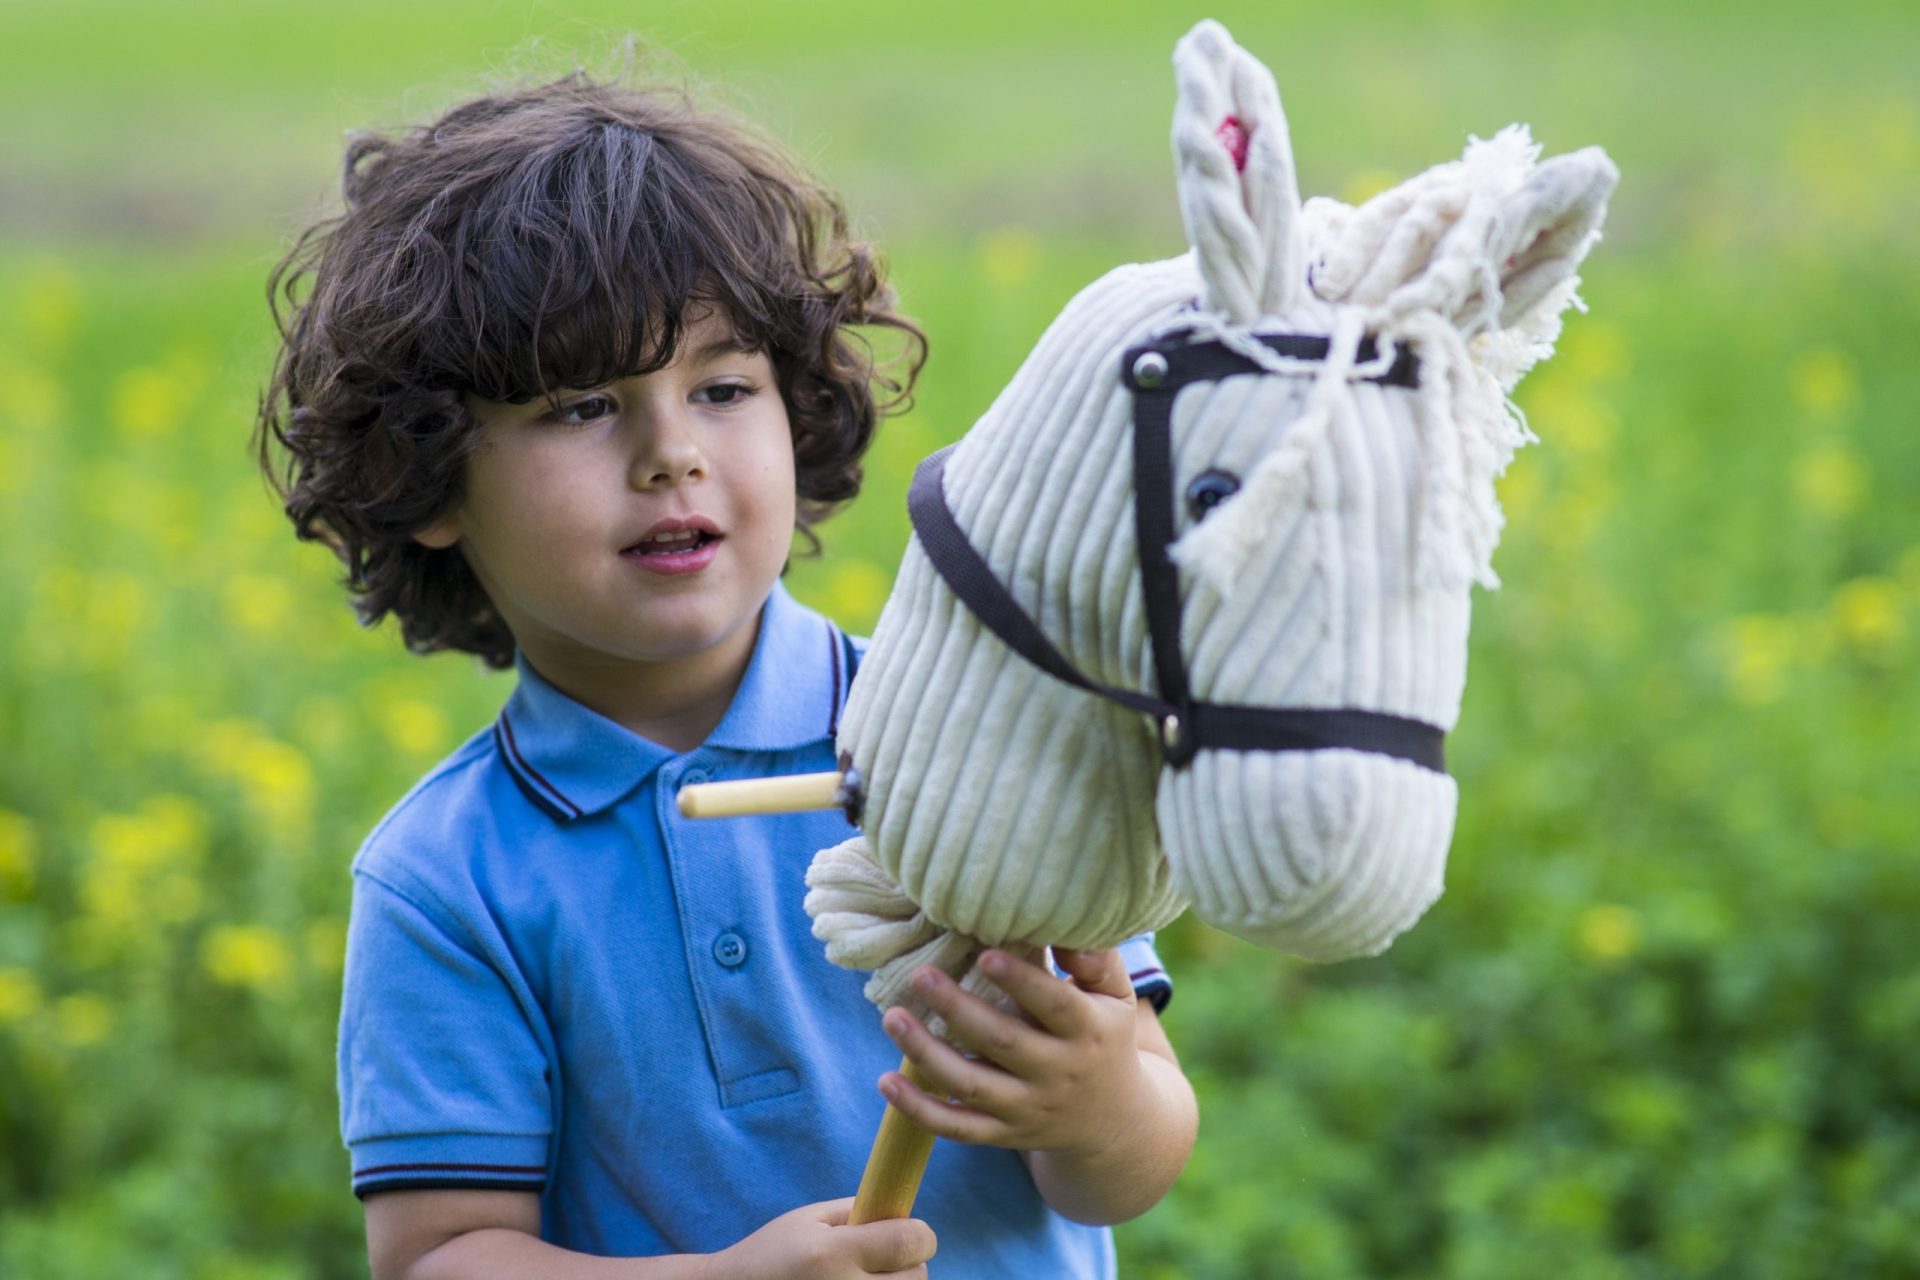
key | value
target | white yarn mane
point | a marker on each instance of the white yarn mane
(1004, 807)
(1413, 267)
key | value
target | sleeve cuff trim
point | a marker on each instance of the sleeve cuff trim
(446, 1182)
(525, 1169)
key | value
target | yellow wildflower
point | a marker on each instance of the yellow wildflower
(327, 944)
(1593, 351)
(1761, 647)
(223, 745)
(1363, 185)
(1584, 426)
(276, 776)
(1824, 383)
(89, 618)
(1008, 255)
(20, 996)
(17, 844)
(855, 591)
(1520, 490)
(1869, 615)
(148, 403)
(413, 726)
(167, 831)
(1609, 933)
(143, 866)
(280, 785)
(253, 957)
(82, 1020)
(1830, 480)
(258, 603)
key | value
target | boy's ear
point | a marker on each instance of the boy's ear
(441, 534)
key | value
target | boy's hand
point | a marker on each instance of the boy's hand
(1070, 1084)
(814, 1242)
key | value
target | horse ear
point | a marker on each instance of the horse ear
(1481, 241)
(1546, 228)
(1234, 168)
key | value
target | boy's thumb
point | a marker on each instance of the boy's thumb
(895, 1244)
(1103, 972)
(834, 1213)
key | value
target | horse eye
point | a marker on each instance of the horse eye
(1208, 490)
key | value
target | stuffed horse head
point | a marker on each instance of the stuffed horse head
(1184, 621)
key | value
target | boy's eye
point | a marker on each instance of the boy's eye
(581, 411)
(722, 393)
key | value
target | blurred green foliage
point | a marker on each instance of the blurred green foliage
(1659, 1026)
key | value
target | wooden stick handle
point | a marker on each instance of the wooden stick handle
(894, 1166)
(791, 794)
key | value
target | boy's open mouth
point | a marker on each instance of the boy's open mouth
(671, 544)
(675, 545)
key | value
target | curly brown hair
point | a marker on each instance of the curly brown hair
(546, 238)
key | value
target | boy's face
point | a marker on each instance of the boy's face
(563, 512)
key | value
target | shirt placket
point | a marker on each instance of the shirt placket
(719, 923)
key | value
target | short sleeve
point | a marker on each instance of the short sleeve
(443, 1080)
(1150, 980)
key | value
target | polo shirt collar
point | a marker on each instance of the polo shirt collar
(795, 682)
(572, 761)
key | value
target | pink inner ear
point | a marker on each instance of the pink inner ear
(1233, 136)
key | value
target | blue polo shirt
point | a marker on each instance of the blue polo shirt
(556, 984)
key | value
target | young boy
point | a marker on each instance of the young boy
(559, 386)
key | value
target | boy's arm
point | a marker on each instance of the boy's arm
(1090, 1090)
(1131, 1177)
(482, 1235)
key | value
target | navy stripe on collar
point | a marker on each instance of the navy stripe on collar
(544, 794)
(833, 713)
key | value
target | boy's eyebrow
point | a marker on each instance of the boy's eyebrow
(732, 344)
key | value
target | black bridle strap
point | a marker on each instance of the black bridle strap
(967, 574)
(1186, 726)
(1240, 728)
(1153, 527)
(1212, 724)
(1181, 364)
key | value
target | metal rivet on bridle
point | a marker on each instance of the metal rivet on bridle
(1150, 370)
(1170, 732)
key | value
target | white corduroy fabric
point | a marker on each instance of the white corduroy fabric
(1006, 808)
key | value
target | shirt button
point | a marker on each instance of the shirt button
(695, 778)
(730, 949)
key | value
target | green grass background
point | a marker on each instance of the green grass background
(1661, 1023)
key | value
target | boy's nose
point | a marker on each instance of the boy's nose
(667, 453)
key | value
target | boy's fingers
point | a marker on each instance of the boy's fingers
(975, 1084)
(894, 1245)
(984, 1029)
(1054, 1004)
(1101, 972)
(938, 1116)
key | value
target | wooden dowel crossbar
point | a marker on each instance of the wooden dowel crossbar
(794, 793)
